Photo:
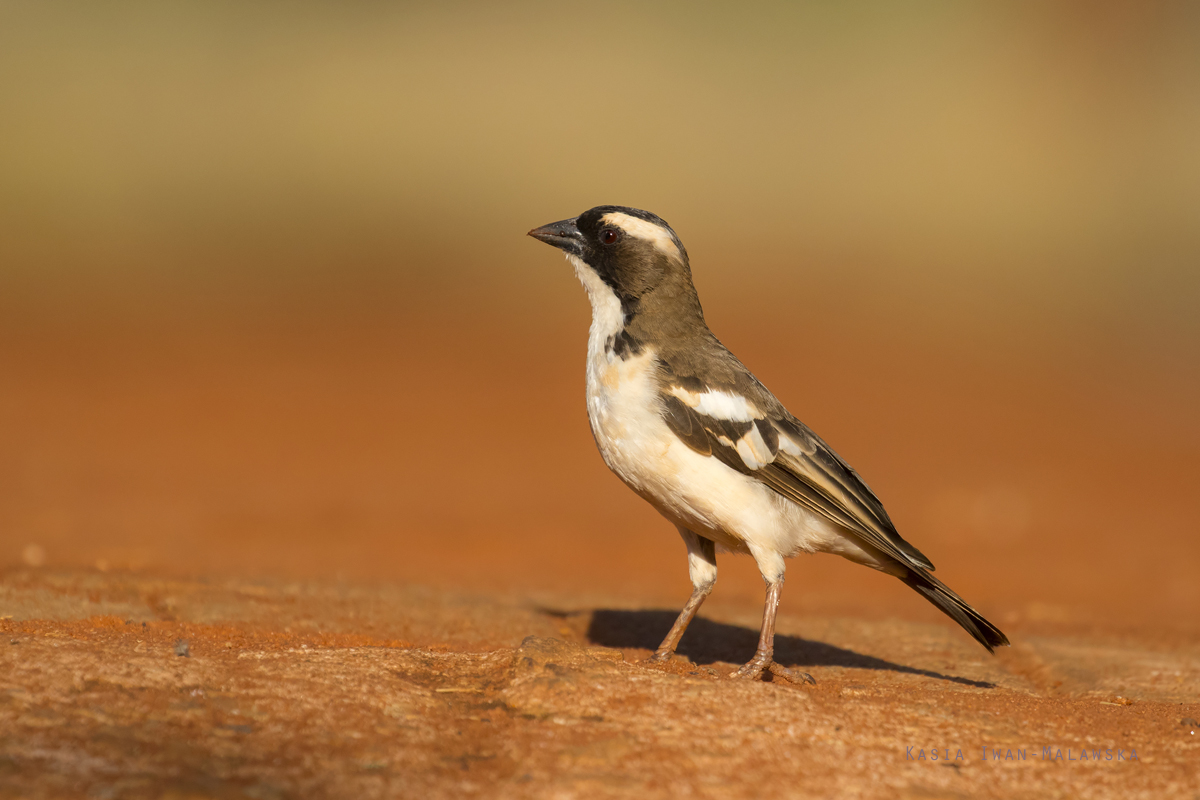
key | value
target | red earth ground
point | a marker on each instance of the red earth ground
(334, 557)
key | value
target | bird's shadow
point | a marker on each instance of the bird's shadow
(707, 642)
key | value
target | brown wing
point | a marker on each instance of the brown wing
(752, 433)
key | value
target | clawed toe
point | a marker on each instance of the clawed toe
(793, 675)
(754, 670)
(750, 671)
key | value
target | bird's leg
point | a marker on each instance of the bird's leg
(764, 655)
(702, 567)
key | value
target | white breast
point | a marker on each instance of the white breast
(692, 490)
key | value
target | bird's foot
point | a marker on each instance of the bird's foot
(667, 657)
(754, 669)
(791, 675)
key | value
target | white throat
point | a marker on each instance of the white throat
(607, 317)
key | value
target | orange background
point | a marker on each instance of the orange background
(266, 305)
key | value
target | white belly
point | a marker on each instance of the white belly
(695, 491)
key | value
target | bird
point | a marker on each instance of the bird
(685, 425)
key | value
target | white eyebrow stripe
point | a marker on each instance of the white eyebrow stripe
(646, 231)
(719, 404)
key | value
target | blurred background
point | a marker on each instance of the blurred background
(267, 306)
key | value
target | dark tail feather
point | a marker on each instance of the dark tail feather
(957, 609)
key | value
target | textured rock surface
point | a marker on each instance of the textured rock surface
(325, 690)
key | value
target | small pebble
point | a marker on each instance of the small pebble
(181, 648)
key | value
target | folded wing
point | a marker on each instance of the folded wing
(752, 433)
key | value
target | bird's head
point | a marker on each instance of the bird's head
(631, 251)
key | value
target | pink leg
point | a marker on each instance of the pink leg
(702, 566)
(764, 656)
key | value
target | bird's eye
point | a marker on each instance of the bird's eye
(609, 236)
